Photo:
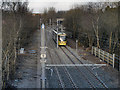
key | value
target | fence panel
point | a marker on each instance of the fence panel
(111, 59)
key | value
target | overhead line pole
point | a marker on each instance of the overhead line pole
(43, 56)
(57, 33)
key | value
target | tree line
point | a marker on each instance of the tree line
(18, 25)
(93, 24)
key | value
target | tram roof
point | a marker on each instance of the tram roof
(59, 33)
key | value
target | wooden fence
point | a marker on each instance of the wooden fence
(111, 59)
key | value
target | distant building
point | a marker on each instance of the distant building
(36, 14)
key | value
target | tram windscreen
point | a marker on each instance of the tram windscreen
(62, 38)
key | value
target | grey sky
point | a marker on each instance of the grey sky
(40, 5)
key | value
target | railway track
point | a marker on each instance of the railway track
(64, 68)
(88, 81)
(67, 73)
(61, 84)
(58, 74)
(100, 81)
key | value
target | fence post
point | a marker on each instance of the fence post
(95, 51)
(108, 59)
(99, 53)
(113, 60)
(103, 55)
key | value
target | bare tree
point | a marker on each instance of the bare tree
(16, 29)
(111, 24)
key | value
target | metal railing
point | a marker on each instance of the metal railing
(111, 59)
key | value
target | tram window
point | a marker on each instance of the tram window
(60, 22)
(59, 38)
(62, 38)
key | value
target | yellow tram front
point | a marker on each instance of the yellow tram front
(62, 39)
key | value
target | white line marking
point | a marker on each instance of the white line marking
(43, 47)
(75, 65)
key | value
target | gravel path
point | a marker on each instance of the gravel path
(26, 74)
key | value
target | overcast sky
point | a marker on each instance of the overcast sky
(38, 6)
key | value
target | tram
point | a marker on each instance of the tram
(61, 37)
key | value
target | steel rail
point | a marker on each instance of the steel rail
(67, 72)
(88, 69)
(65, 69)
(58, 74)
(92, 86)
